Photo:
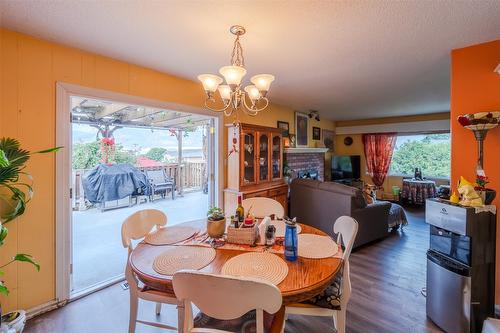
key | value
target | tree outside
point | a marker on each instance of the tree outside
(431, 153)
(88, 155)
(157, 154)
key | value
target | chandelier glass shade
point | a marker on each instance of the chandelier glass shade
(251, 99)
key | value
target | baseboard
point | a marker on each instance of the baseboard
(42, 308)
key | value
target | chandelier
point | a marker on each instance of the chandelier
(231, 93)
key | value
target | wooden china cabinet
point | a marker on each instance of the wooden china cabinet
(255, 165)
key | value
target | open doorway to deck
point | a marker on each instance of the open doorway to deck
(127, 157)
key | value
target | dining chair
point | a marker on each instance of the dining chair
(135, 227)
(226, 298)
(324, 305)
(262, 207)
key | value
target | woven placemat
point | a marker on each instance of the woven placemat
(265, 266)
(170, 235)
(316, 246)
(281, 226)
(183, 257)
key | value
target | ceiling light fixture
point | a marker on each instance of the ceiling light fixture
(231, 93)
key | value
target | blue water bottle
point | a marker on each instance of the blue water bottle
(291, 246)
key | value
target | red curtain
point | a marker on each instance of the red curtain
(378, 153)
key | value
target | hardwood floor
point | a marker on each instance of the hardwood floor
(387, 277)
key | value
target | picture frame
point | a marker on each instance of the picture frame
(329, 139)
(293, 141)
(301, 129)
(316, 133)
(285, 127)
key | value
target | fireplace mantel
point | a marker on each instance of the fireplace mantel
(305, 150)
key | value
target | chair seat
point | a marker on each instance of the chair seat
(330, 297)
(246, 323)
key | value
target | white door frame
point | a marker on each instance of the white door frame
(63, 166)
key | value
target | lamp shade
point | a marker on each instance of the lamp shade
(225, 92)
(210, 82)
(233, 74)
(262, 81)
(252, 92)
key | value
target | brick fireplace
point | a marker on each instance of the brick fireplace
(304, 161)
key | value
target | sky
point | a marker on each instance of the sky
(139, 138)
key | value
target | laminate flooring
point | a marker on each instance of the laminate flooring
(387, 277)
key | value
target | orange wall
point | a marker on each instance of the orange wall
(475, 88)
(29, 70)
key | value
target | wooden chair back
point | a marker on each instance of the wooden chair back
(262, 207)
(225, 297)
(139, 224)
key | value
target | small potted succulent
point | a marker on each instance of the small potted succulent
(216, 222)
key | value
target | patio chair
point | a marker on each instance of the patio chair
(333, 301)
(135, 227)
(160, 183)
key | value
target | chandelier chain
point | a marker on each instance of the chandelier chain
(237, 58)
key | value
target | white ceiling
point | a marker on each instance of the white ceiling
(347, 59)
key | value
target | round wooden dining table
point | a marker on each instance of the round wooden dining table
(306, 277)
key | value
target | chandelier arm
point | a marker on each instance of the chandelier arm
(254, 110)
(214, 109)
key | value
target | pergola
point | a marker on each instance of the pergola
(108, 116)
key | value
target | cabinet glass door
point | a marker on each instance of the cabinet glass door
(276, 157)
(263, 160)
(248, 147)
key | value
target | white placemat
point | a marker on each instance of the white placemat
(281, 227)
(170, 235)
(316, 246)
(265, 266)
(183, 257)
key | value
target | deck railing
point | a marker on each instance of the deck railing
(189, 177)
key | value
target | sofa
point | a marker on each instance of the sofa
(319, 204)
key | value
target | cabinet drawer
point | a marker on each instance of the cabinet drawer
(255, 194)
(278, 191)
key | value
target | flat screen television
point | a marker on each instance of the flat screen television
(346, 167)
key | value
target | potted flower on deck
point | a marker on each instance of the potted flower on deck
(15, 192)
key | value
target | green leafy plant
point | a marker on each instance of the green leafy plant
(14, 192)
(215, 214)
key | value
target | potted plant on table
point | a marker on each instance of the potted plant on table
(15, 192)
(216, 222)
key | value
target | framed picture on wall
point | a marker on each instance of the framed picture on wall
(301, 128)
(285, 127)
(316, 133)
(329, 139)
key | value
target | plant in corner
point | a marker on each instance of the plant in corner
(15, 192)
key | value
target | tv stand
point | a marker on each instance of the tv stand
(351, 182)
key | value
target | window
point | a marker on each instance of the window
(429, 152)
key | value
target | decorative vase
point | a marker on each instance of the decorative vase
(488, 195)
(216, 228)
(15, 320)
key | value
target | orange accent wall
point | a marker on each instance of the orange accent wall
(29, 70)
(475, 88)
